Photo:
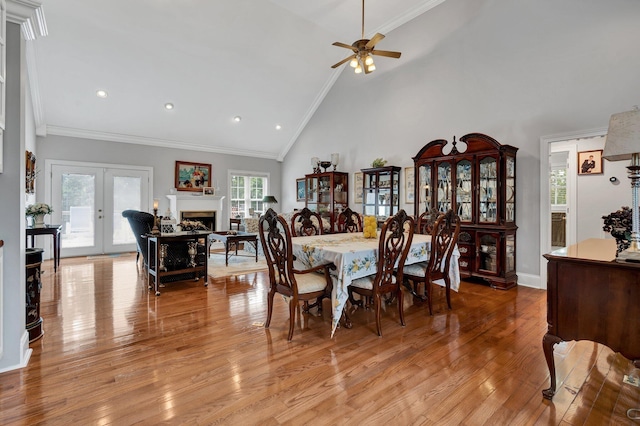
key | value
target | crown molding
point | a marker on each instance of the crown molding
(34, 88)
(30, 16)
(164, 143)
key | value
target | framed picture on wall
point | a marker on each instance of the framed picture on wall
(300, 189)
(409, 179)
(192, 176)
(590, 162)
(358, 192)
(208, 190)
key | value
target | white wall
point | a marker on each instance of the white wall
(161, 159)
(597, 196)
(12, 187)
(513, 69)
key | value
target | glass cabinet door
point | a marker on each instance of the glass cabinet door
(510, 194)
(424, 189)
(488, 253)
(312, 193)
(464, 197)
(488, 190)
(443, 194)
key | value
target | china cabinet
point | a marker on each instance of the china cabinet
(381, 192)
(476, 177)
(328, 194)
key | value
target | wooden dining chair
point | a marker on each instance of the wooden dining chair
(349, 221)
(444, 237)
(296, 285)
(393, 246)
(426, 220)
(310, 223)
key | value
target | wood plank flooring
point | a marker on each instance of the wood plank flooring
(115, 354)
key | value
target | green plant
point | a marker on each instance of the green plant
(378, 162)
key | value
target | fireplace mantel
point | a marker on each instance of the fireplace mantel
(190, 202)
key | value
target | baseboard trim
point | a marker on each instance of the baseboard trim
(529, 280)
(25, 354)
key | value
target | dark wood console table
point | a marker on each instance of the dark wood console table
(591, 297)
(155, 270)
(232, 239)
(53, 230)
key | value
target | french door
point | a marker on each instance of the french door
(88, 200)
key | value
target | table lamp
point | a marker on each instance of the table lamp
(268, 200)
(623, 143)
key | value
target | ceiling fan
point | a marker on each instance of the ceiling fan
(362, 59)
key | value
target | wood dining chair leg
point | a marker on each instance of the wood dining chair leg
(270, 297)
(400, 298)
(293, 303)
(377, 301)
(428, 291)
(448, 291)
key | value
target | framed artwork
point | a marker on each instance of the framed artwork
(590, 162)
(31, 172)
(208, 190)
(192, 176)
(409, 186)
(300, 189)
(358, 192)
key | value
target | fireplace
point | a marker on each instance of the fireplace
(188, 203)
(207, 217)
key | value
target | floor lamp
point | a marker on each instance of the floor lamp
(623, 143)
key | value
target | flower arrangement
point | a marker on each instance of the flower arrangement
(618, 224)
(38, 209)
(370, 227)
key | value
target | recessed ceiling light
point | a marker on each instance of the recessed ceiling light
(237, 118)
(278, 127)
(101, 94)
(168, 105)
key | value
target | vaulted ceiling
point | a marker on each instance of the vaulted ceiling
(268, 62)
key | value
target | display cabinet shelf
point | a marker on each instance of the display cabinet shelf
(328, 194)
(381, 192)
(475, 177)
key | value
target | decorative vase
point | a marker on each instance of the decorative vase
(38, 221)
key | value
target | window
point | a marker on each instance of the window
(558, 188)
(247, 191)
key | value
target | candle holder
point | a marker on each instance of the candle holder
(164, 248)
(193, 250)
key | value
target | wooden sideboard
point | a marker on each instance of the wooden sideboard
(590, 296)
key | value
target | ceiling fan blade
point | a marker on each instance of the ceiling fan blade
(343, 61)
(376, 38)
(346, 46)
(386, 53)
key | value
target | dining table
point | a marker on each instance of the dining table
(355, 257)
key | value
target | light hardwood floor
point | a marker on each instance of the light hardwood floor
(113, 353)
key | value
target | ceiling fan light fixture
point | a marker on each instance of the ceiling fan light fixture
(368, 60)
(358, 69)
(353, 63)
(371, 67)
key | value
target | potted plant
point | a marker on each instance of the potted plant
(37, 212)
(618, 224)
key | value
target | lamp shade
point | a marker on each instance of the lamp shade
(270, 199)
(623, 137)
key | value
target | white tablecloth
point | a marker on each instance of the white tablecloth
(356, 257)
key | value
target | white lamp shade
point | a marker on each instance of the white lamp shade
(335, 158)
(623, 137)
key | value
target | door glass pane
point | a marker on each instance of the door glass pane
(78, 205)
(463, 190)
(126, 195)
(424, 187)
(443, 196)
(488, 190)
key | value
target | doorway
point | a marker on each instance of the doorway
(89, 199)
(552, 150)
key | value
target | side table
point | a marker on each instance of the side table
(56, 232)
(156, 258)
